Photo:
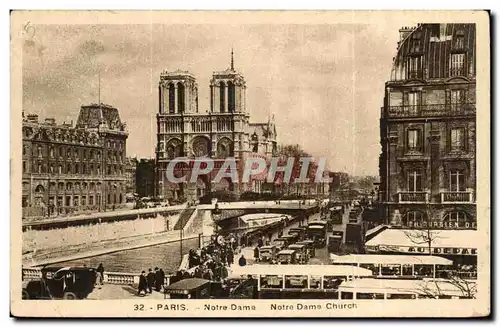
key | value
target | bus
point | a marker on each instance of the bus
(316, 231)
(291, 281)
(408, 289)
(419, 266)
(336, 214)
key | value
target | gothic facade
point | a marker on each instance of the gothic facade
(68, 169)
(224, 130)
(428, 129)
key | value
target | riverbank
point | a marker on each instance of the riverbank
(96, 249)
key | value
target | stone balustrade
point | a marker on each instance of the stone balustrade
(116, 278)
(32, 273)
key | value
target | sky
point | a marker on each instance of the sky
(323, 83)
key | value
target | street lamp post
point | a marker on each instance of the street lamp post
(215, 216)
(181, 232)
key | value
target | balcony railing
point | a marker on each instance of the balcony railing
(456, 197)
(413, 197)
(431, 110)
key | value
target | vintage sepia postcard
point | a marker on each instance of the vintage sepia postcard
(250, 164)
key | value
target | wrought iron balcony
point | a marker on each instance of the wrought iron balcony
(456, 197)
(413, 197)
(431, 110)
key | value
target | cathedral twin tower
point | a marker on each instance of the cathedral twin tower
(178, 92)
(183, 130)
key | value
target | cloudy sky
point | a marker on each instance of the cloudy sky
(323, 83)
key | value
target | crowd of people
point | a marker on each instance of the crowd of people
(153, 280)
(211, 261)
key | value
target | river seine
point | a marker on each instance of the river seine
(165, 256)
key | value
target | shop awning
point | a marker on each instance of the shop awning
(444, 242)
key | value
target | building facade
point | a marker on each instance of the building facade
(130, 175)
(145, 177)
(73, 168)
(220, 131)
(427, 129)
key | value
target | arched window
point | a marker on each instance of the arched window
(171, 98)
(180, 97)
(231, 96)
(414, 219)
(68, 170)
(69, 186)
(224, 148)
(222, 96)
(459, 218)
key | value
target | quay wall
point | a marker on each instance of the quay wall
(94, 233)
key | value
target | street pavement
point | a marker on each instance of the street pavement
(121, 292)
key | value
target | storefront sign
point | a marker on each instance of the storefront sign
(437, 224)
(423, 250)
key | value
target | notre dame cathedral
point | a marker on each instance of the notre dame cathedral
(185, 130)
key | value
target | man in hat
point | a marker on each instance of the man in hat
(151, 280)
(158, 278)
(143, 284)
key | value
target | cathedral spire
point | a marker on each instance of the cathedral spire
(232, 59)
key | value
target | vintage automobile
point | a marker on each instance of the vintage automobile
(190, 288)
(68, 283)
(299, 231)
(268, 253)
(316, 230)
(287, 257)
(335, 242)
(300, 252)
(284, 241)
(311, 250)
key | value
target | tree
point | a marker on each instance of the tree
(291, 151)
(454, 284)
(425, 236)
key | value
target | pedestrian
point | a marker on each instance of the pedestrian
(242, 261)
(143, 284)
(157, 279)
(162, 276)
(260, 242)
(256, 253)
(230, 257)
(100, 275)
(151, 280)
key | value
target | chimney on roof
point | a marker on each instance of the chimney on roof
(404, 32)
(33, 118)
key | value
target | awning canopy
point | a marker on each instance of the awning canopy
(447, 242)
